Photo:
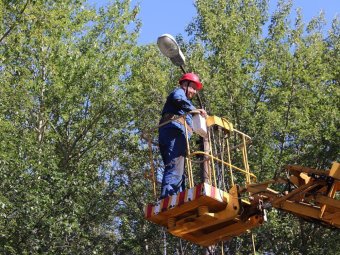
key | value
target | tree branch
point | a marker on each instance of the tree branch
(14, 24)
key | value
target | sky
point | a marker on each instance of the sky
(173, 16)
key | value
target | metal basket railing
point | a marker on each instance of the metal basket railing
(222, 163)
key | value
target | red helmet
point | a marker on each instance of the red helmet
(191, 77)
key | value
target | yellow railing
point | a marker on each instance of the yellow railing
(231, 159)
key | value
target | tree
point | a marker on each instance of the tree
(63, 66)
(280, 89)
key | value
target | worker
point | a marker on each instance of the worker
(172, 135)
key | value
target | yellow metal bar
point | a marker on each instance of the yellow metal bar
(217, 159)
(188, 163)
(229, 231)
(332, 202)
(246, 159)
(307, 170)
(301, 209)
(334, 218)
(152, 168)
(222, 167)
(190, 175)
(253, 241)
(209, 167)
(214, 120)
(331, 194)
(300, 190)
(242, 134)
(212, 162)
(335, 170)
(229, 164)
(244, 164)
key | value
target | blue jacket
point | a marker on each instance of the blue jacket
(177, 103)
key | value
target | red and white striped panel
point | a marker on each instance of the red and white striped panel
(194, 193)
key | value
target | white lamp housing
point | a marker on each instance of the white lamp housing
(169, 47)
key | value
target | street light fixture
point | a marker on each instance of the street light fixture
(169, 47)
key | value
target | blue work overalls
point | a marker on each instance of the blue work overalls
(172, 143)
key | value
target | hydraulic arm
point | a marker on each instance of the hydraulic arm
(311, 194)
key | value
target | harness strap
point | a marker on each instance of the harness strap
(169, 116)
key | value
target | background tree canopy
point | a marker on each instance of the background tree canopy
(77, 91)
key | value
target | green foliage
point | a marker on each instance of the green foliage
(77, 93)
(282, 89)
(279, 86)
(63, 66)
